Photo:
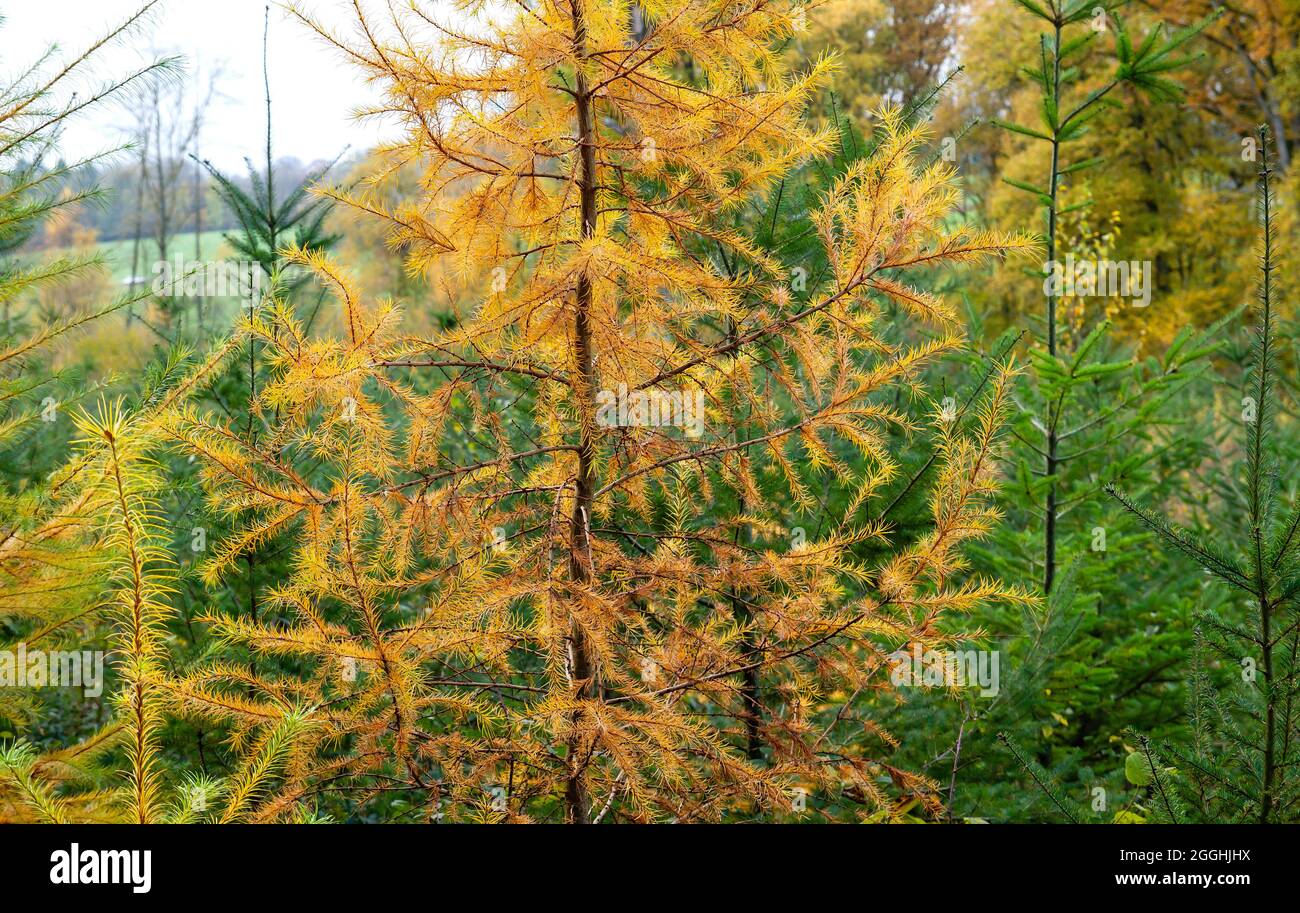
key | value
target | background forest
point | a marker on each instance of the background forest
(704, 410)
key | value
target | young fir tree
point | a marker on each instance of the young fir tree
(536, 560)
(270, 221)
(1241, 762)
(1092, 412)
(269, 214)
(1059, 434)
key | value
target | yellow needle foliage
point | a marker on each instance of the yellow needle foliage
(543, 563)
(540, 567)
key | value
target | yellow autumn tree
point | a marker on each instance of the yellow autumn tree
(540, 566)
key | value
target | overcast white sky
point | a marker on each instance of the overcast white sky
(313, 91)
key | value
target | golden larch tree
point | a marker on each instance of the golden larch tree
(542, 565)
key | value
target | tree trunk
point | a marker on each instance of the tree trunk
(576, 801)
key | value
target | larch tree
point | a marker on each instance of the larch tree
(537, 574)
